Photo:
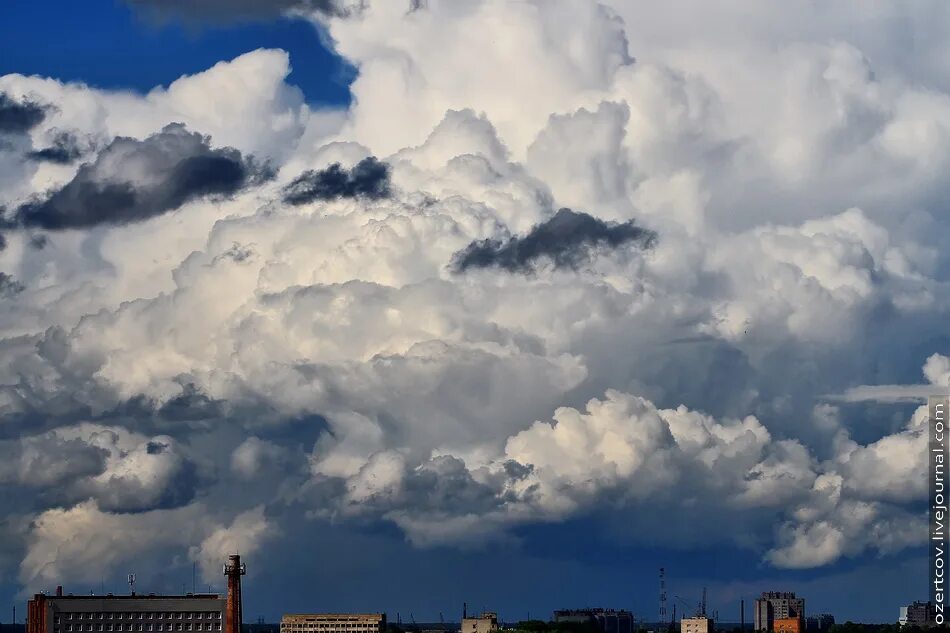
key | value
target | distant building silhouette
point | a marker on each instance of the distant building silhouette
(606, 620)
(819, 623)
(920, 614)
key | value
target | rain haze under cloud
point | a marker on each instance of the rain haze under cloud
(230, 320)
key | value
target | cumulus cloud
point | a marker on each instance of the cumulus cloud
(566, 240)
(346, 341)
(133, 180)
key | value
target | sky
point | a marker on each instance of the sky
(506, 303)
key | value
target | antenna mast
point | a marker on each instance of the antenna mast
(662, 595)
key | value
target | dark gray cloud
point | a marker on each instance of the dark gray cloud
(64, 149)
(48, 460)
(567, 240)
(9, 286)
(19, 116)
(369, 178)
(239, 10)
(133, 180)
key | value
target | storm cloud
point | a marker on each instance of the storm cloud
(567, 240)
(133, 180)
(369, 178)
(19, 116)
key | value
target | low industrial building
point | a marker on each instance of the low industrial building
(189, 613)
(698, 624)
(333, 623)
(487, 622)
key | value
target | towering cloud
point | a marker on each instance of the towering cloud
(387, 314)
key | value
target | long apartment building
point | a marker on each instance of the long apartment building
(333, 623)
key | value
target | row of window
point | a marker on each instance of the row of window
(330, 625)
(174, 615)
(293, 628)
(196, 626)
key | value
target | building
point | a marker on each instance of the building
(125, 614)
(333, 623)
(819, 623)
(920, 614)
(698, 624)
(199, 613)
(606, 620)
(787, 625)
(487, 622)
(777, 605)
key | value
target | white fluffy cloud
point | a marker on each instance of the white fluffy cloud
(259, 355)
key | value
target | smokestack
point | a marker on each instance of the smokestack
(234, 569)
(36, 614)
(59, 591)
(464, 610)
(742, 615)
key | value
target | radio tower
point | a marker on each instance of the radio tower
(662, 596)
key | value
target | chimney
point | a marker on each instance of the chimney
(36, 614)
(234, 569)
(59, 591)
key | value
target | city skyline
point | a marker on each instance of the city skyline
(414, 303)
